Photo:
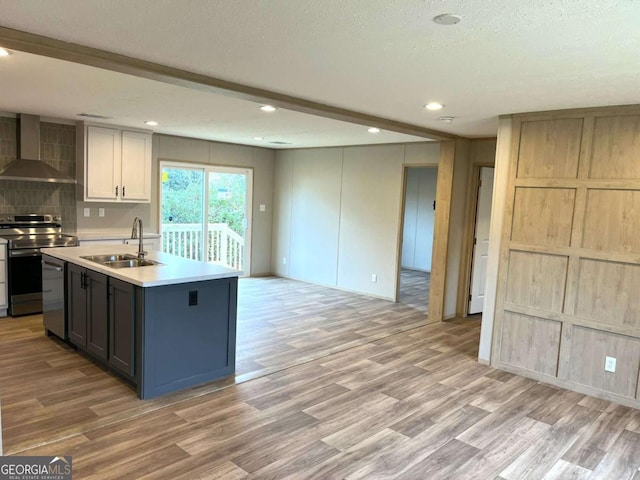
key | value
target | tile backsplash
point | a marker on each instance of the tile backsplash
(57, 148)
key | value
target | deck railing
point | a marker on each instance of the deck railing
(224, 246)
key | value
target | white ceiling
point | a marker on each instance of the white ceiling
(61, 90)
(382, 57)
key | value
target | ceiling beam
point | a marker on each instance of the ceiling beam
(49, 47)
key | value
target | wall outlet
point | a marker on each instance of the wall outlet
(284, 260)
(101, 212)
(374, 277)
(610, 364)
(263, 207)
(87, 212)
(193, 297)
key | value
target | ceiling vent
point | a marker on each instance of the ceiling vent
(281, 143)
(93, 115)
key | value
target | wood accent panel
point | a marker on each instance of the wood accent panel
(550, 148)
(444, 188)
(537, 280)
(543, 216)
(594, 293)
(612, 220)
(530, 343)
(609, 292)
(589, 348)
(616, 139)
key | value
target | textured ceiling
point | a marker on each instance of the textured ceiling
(382, 57)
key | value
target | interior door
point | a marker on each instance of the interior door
(481, 241)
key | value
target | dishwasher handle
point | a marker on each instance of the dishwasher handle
(57, 268)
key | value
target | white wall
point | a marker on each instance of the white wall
(349, 197)
(419, 217)
(261, 160)
(370, 219)
(315, 216)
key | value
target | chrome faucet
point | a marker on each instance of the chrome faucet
(136, 232)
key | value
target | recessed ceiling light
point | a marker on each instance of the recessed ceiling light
(373, 130)
(4, 52)
(151, 123)
(446, 119)
(447, 19)
(434, 106)
(258, 138)
(268, 108)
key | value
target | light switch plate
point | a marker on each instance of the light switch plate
(101, 212)
(87, 212)
(374, 277)
(610, 364)
(263, 207)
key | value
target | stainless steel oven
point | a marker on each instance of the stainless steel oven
(24, 281)
(27, 236)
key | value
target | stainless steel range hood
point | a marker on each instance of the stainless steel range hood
(28, 166)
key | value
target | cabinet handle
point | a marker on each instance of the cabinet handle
(82, 284)
(116, 190)
(123, 191)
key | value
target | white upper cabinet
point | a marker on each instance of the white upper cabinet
(136, 167)
(103, 163)
(116, 164)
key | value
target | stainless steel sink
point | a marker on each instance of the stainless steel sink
(109, 257)
(131, 263)
(120, 260)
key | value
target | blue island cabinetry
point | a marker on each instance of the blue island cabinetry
(158, 333)
(188, 335)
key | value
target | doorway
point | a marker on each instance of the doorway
(205, 213)
(417, 236)
(480, 251)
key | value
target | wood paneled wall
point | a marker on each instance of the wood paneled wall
(569, 277)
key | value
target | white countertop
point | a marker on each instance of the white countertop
(175, 269)
(110, 235)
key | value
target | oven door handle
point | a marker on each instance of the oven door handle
(27, 252)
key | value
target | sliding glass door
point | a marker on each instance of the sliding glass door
(206, 213)
(182, 211)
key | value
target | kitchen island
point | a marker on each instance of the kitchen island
(162, 328)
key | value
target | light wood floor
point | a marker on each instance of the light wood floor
(414, 289)
(408, 403)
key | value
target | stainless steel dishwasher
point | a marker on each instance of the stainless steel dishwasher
(53, 296)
